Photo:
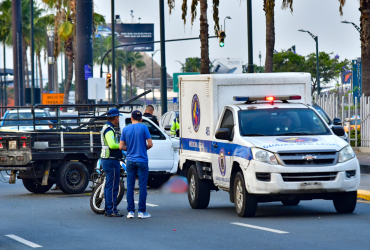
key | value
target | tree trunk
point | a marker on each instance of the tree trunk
(68, 82)
(268, 7)
(365, 45)
(204, 54)
(38, 55)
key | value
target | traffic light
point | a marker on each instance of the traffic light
(109, 80)
(221, 36)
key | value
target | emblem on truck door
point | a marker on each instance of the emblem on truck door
(222, 161)
(195, 112)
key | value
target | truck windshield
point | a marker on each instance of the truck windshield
(354, 122)
(277, 122)
(23, 116)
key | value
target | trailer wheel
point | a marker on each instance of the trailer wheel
(345, 203)
(199, 192)
(35, 187)
(72, 177)
(245, 203)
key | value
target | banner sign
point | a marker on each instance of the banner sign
(50, 99)
(129, 33)
(346, 77)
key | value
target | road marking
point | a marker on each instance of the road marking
(148, 204)
(21, 240)
(363, 201)
(260, 228)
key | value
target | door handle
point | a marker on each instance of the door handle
(215, 145)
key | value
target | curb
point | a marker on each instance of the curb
(363, 194)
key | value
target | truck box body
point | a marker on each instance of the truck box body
(214, 92)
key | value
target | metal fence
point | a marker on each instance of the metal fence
(354, 113)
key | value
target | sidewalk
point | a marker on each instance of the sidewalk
(364, 189)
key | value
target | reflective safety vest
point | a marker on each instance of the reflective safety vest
(105, 152)
(175, 127)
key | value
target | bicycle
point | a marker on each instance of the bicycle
(97, 201)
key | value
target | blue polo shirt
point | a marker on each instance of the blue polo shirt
(135, 136)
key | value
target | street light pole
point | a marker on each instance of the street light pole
(316, 38)
(357, 28)
(163, 59)
(113, 56)
(228, 17)
(250, 37)
(32, 58)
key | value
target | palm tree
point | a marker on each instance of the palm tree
(365, 42)
(134, 63)
(205, 68)
(268, 7)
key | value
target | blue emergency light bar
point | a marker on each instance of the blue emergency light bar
(266, 98)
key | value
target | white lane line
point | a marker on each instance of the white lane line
(260, 228)
(21, 240)
(148, 204)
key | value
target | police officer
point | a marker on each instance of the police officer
(175, 128)
(149, 114)
(110, 156)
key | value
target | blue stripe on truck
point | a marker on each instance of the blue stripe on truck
(206, 146)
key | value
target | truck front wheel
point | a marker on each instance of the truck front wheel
(345, 202)
(199, 192)
(72, 177)
(36, 187)
(245, 203)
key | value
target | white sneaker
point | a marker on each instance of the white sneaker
(143, 215)
(130, 215)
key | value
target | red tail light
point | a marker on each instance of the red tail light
(1, 145)
(23, 137)
(24, 145)
(270, 98)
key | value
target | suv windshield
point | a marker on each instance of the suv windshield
(277, 122)
(23, 116)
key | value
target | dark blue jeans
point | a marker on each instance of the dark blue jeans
(142, 170)
(112, 171)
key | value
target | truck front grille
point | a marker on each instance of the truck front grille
(313, 158)
(315, 176)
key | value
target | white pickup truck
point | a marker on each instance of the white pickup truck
(163, 156)
(257, 137)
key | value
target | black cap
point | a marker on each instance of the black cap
(136, 115)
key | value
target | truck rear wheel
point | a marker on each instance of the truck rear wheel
(345, 202)
(199, 192)
(245, 203)
(34, 187)
(72, 177)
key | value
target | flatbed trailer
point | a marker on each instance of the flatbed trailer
(66, 156)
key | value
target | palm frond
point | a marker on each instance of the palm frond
(287, 4)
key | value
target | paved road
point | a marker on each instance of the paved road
(57, 221)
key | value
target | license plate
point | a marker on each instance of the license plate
(12, 144)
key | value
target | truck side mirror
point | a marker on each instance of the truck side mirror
(338, 130)
(167, 127)
(223, 134)
(337, 121)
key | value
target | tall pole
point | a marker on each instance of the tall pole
(84, 47)
(163, 59)
(50, 50)
(317, 64)
(32, 59)
(114, 100)
(126, 74)
(250, 37)
(5, 94)
(17, 52)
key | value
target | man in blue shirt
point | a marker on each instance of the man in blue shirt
(136, 140)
